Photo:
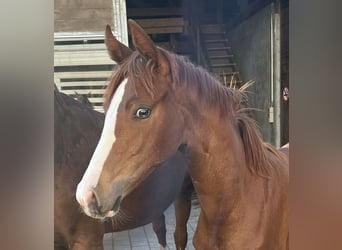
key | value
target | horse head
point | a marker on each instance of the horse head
(143, 125)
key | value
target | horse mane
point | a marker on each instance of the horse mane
(256, 150)
(230, 102)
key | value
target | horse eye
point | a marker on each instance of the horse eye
(143, 113)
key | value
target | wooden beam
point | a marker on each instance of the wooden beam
(82, 74)
(151, 12)
(84, 4)
(80, 47)
(161, 22)
(78, 58)
(163, 25)
(84, 91)
(86, 84)
(164, 30)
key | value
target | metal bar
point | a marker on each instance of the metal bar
(276, 77)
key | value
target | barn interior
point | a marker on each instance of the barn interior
(236, 40)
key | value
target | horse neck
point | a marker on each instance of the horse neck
(218, 168)
(215, 146)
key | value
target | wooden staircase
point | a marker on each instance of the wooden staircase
(219, 54)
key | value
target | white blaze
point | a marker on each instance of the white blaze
(93, 172)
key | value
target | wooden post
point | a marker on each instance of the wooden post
(120, 21)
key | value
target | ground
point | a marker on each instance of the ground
(143, 238)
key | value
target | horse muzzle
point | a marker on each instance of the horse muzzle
(101, 202)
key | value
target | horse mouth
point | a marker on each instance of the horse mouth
(117, 203)
(115, 208)
(94, 213)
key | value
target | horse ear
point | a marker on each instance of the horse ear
(117, 51)
(142, 42)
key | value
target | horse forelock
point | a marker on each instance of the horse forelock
(116, 78)
(139, 70)
(143, 71)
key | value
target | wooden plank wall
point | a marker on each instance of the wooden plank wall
(152, 12)
(163, 25)
(81, 63)
(82, 68)
(82, 15)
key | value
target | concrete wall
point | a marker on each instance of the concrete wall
(251, 44)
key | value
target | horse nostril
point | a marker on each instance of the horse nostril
(90, 199)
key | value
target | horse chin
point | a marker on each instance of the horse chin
(103, 216)
(115, 208)
(95, 214)
(110, 214)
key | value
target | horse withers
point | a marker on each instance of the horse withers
(77, 131)
(158, 103)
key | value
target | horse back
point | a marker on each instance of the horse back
(285, 149)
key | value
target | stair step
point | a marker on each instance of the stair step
(213, 32)
(216, 41)
(212, 26)
(218, 48)
(220, 56)
(214, 36)
(223, 65)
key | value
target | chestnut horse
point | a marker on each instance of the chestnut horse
(157, 103)
(77, 131)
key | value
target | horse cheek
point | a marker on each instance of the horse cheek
(169, 138)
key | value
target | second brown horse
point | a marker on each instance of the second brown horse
(77, 130)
